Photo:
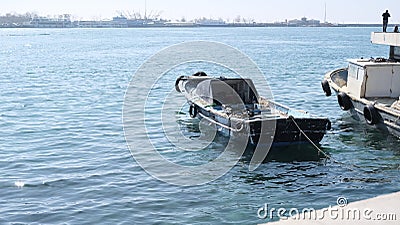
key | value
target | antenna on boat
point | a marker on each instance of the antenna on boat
(325, 14)
(145, 9)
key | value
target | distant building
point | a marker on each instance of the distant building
(210, 22)
(179, 24)
(304, 22)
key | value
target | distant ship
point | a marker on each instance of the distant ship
(211, 23)
(63, 21)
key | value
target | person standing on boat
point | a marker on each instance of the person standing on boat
(385, 16)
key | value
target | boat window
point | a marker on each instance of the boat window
(352, 70)
(396, 53)
(355, 70)
(360, 72)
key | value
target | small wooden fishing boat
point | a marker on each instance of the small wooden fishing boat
(234, 106)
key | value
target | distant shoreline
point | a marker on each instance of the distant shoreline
(64, 21)
(198, 26)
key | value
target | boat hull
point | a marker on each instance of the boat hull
(387, 119)
(287, 133)
(387, 122)
(281, 131)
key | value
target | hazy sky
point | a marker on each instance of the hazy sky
(339, 11)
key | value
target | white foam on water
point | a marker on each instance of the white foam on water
(19, 184)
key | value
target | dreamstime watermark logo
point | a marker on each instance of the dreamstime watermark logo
(341, 201)
(136, 116)
(339, 212)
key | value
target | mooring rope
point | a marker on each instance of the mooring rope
(320, 150)
(222, 125)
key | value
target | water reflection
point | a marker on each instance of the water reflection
(288, 153)
(355, 133)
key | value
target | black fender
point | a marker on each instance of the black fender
(371, 115)
(200, 74)
(344, 101)
(328, 125)
(326, 88)
(177, 83)
(193, 110)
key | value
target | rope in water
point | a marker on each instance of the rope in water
(320, 150)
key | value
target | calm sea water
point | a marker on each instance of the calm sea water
(64, 158)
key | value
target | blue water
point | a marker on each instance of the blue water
(63, 155)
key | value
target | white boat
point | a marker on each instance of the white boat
(235, 107)
(370, 88)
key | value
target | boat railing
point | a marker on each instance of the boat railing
(339, 77)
